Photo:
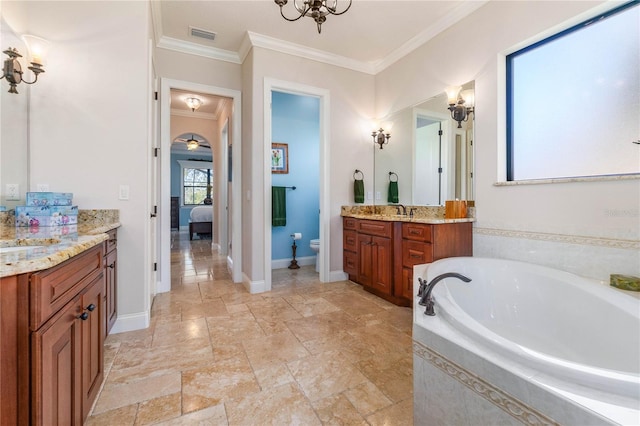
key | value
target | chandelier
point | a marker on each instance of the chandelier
(193, 103)
(316, 9)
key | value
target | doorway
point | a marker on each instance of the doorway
(229, 191)
(270, 86)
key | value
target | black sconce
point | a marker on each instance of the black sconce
(461, 104)
(380, 137)
(12, 69)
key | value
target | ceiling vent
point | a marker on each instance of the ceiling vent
(197, 32)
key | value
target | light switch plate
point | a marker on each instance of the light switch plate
(124, 192)
(12, 191)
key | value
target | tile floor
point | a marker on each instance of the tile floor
(306, 353)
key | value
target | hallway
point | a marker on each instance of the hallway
(305, 353)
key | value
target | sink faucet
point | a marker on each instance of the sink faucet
(425, 290)
(404, 209)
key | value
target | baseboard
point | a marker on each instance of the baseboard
(253, 287)
(131, 322)
(215, 246)
(284, 263)
(338, 276)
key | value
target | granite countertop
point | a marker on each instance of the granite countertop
(402, 218)
(389, 213)
(36, 249)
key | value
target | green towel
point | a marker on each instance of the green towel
(393, 193)
(358, 190)
(278, 206)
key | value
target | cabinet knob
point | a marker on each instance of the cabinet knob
(84, 316)
(91, 307)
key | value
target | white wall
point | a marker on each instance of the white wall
(89, 120)
(606, 210)
(352, 98)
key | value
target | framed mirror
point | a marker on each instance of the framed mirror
(429, 154)
(14, 149)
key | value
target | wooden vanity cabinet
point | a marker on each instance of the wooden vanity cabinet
(426, 243)
(111, 274)
(53, 355)
(380, 255)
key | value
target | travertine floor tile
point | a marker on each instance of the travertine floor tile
(338, 410)
(116, 396)
(283, 405)
(306, 353)
(216, 383)
(322, 375)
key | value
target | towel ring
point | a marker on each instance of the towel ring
(393, 174)
(356, 172)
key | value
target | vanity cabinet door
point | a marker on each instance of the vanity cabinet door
(110, 296)
(56, 376)
(93, 331)
(365, 260)
(381, 255)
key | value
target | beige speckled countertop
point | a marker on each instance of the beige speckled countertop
(422, 214)
(35, 249)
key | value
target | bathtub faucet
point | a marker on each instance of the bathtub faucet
(425, 290)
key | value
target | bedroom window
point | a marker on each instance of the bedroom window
(573, 101)
(196, 185)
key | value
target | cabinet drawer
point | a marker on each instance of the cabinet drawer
(350, 263)
(350, 223)
(416, 232)
(375, 227)
(350, 240)
(50, 290)
(112, 242)
(416, 253)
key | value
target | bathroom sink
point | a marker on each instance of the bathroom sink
(25, 244)
(17, 248)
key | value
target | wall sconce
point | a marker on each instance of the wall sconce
(12, 69)
(380, 137)
(461, 104)
(193, 103)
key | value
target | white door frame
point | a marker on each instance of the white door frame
(165, 174)
(271, 85)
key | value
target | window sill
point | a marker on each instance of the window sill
(603, 178)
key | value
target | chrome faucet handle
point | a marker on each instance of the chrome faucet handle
(429, 308)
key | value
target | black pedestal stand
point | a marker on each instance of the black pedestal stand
(294, 262)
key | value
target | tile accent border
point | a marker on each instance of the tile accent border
(561, 238)
(494, 395)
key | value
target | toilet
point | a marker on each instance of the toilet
(315, 246)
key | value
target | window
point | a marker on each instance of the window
(573, 100)
(194, 184)
(196, 181)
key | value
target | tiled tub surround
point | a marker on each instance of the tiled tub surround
(462, 378)
(51, 245)
(591, 257)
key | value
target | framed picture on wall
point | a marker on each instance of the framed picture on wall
(279, 158)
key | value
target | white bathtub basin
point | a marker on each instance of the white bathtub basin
(559, 324)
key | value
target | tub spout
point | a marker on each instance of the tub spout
(425, 292)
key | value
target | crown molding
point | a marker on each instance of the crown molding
(266, 42)
(252, 39)
(181, 46)
(195, 114)
(427, 34)
(156, 19)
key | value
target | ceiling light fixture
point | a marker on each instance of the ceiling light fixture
(193, 103)
(12, 69)
(316, 9)
(192, 144)
(461, 104)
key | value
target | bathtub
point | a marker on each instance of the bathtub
(566, 336)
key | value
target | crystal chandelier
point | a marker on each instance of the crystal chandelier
(316, 9)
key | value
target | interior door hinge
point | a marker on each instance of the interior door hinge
(155, 151)
(155, 266)
(440, 132)
(155, 96)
